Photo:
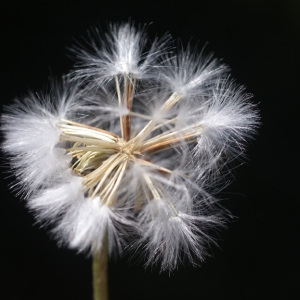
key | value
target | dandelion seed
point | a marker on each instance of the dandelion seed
(132, 146)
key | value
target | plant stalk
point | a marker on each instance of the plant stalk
(100, 289)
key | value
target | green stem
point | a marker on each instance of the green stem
(100, 272)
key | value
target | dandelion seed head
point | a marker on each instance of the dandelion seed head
(132, 147)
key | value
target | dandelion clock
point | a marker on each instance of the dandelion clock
(127, 152)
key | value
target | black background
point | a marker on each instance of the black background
(259, 252)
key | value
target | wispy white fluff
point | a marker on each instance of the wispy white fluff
(135, 147)
(122, 51)
(177, 234)
(191, 74)
(31, 135)
(52, 203)
(227, 124)
(86, 223)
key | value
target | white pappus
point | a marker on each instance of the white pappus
(131, 144)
